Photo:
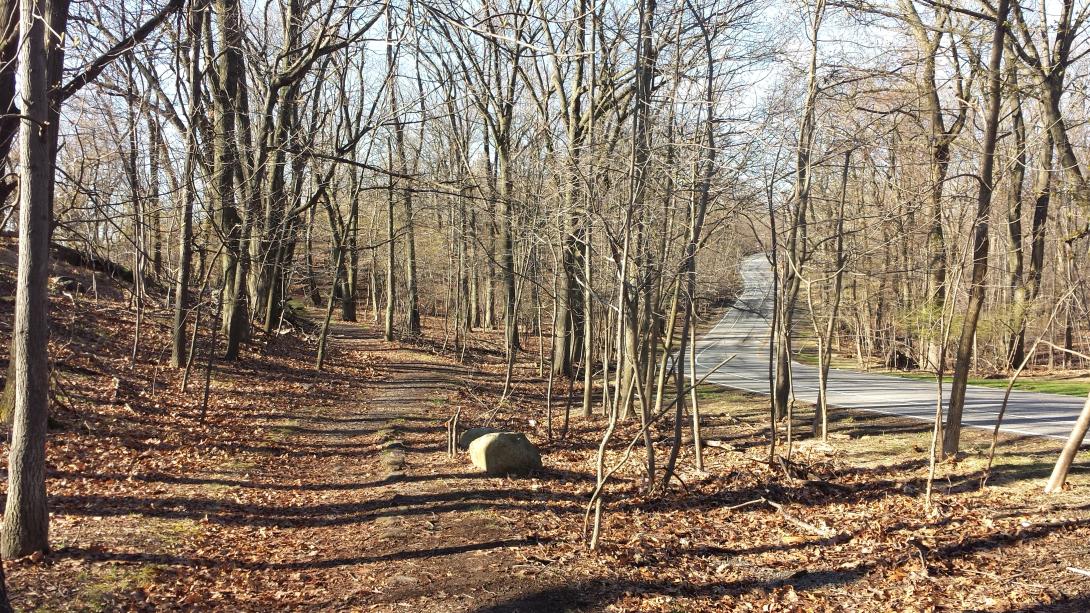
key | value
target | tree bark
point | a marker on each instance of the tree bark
(9, 109)
(952, 431)
(391, 261)
(225, 164)
(797, 245)
(825, 339)
(152, 205)
(26, 515)
(1016, 341)
(1071, 447)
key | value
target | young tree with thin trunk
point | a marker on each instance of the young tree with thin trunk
(825, 336)
(952, 431)
(796, 244)
(194, 29)
(1063, 464)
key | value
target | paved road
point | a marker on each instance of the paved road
(743, 332)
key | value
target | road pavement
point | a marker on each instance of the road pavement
(744, 333)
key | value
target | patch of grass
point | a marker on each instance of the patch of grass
(285, 430)
(100, 584)
(296, 305)
(715, 393)
(1045, 385)
(1067, 386)
(712, 392)
(236, 467)
(178, 531)
(808, 355)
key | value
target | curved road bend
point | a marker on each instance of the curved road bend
(744, 331)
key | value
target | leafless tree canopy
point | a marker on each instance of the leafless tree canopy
(586, 173)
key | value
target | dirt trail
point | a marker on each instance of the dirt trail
(411, 528)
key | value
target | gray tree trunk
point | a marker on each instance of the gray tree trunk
(225, 164)
(9, 126)
(797, 247)
(1071, 447)
(952, 431)
(26, 515)
(1016, 342)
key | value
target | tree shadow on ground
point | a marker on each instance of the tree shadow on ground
(232, 512)
(249, 484)
(595, 595)
(598, 594)
(333, 419)
(1070, 604)
(314, 564)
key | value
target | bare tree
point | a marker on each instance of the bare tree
(952, 431)
(194, 29)
(26, 516)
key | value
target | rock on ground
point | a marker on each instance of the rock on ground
(473, 434)
(504, 453)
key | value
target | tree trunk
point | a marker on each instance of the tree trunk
(26, 516)
(929, 39)
(9, 127)
(1016, 341)
(388, 315)
(797, 247)
(351, 259)
(225, 164)
(952, 431)
(1042, 194)
(412, 308)
(588, 321)
(825, 354)
(507, 254)
(1071, 447)
(152, 204)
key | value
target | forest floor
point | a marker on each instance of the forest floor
(301, 491)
